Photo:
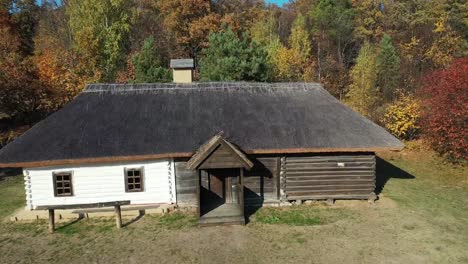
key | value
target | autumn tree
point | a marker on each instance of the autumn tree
(148, 65)
(100, 31)
(388, 68)
(189, 22)
(332, 29)
(25, 14)
(363, 95)
(445, 109)
(21, 95)
(369, 20)
(402, 116)
(230, 58)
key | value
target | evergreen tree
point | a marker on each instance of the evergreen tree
(363, 95)
(148, 65)
(388, 68)
(230, 58)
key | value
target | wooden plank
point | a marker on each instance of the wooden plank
(335, 187)
(78, 206)
(328, 159)
(335, 192)
(331, 178)
(328, 181)
(319, 169)
(328, 196)
(293, 174)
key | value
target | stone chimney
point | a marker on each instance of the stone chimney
(182, 70)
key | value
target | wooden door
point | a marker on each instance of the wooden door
(217, 184)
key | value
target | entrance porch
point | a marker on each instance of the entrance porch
(220, 167)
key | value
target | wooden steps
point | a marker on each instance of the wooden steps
(222, 220)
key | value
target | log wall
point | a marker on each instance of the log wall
(328, 177)
(261, 182)
(186, 184)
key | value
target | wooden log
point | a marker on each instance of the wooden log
(51, 220)
(118, 216)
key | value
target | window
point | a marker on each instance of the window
(63, 184)
(134, 180)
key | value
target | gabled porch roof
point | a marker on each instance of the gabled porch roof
(219, 153)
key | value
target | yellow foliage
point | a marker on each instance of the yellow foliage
(410, 48)
(401, 117)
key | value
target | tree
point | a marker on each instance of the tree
(369, 20)
(388, 68)
(402, 116)
(100, 31)
(188, 22)
(25, 15)
(300, 38)
(363, 95)
(332, 29)
(445, 109)
(21, 95)
(148, 66)
(230, 58)
(63, 73)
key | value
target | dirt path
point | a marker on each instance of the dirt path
(382, 233)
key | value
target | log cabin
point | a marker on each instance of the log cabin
(220, 147)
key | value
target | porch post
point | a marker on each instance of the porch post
(241, 194)
(198, 192)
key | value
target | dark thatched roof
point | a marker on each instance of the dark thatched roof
(110, 122)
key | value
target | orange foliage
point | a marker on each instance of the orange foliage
(62, 72)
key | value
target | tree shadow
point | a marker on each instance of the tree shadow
(385, 171)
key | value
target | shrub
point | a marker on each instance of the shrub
(401, 117)
(445, 110)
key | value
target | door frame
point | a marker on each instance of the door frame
(241, 191)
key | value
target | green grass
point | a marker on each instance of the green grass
(172, 221)
(302, 215)
(11, 195)
(438, 191)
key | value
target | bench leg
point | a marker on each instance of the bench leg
(118, 216)
(51, 220)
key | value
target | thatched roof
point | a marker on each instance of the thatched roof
(110, 122)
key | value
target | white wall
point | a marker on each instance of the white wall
(102, 183)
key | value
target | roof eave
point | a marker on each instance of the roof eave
(94, 160)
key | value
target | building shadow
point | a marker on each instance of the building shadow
(253, 202)
(10, 172)
(385, 171)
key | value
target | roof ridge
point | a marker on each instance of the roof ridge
(116, 87)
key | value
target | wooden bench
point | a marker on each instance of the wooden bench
(52, 208)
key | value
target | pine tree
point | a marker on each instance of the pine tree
(148, 65)
(388, 68)
(363, 95)
(230, 58)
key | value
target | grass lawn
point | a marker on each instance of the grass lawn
(422, 217)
